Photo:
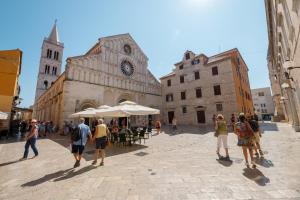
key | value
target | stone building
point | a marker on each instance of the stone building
(10, 71)
(283, 21)
(50, 62)
(263, 103)
(202, 86)
(113, 70)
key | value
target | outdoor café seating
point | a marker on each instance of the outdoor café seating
(122, 136)
(130, 136)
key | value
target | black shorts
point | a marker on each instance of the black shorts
(77, 149)
(101, 142)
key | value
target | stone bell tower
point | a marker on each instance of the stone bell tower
(50, 62)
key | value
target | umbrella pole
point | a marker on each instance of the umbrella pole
(127, 123)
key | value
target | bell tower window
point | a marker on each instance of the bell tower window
(49, 53)
(54, 70)
(56, 55)
(47, 69)
(45, 84)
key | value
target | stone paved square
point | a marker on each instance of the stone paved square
(167, 166)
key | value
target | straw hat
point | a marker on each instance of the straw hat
(220, 116)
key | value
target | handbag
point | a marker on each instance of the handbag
(216, 134)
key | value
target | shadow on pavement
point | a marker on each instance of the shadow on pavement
(9, 163)
(264, 162)
(168, 129)
(257, 176)
(72, 173)
(47, 177)
(268, 126)
(225, 163)
(111, 150)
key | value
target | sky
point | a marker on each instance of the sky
(164, 29)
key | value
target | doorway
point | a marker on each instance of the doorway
(170, 116)
(201, 116)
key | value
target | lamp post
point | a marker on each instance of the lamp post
(290, 94)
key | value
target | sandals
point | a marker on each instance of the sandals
(77, 164)
(253, 164)
(261, 152)
(247, 164)
(94, 162)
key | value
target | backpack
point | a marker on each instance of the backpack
(75, 134)
(254, 125)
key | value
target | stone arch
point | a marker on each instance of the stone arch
(87, 104)
(45, 84)
(108, 98)
(125, 97)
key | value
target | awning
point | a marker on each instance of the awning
(3, 115)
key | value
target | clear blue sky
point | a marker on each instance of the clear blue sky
(164, 29)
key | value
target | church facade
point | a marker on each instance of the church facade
(113, 70)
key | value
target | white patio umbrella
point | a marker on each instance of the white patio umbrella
(126, 109)
(89, 112)
(3, 115)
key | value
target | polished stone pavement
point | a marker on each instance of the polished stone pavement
(169, 166)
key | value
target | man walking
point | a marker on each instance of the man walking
(83, 131)
(101, 136)
(31, 137)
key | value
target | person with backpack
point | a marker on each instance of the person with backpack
(222, 134)
(257, 135)
(101, 137)
(245, 138)
(79, 137)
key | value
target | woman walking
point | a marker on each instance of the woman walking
(245, 138)
(222, 134)
(157, 126)
(31, 137)
(257, 135)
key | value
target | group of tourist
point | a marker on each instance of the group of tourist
(248, 132)
(80, 134)
(44, 129)
(246, 127)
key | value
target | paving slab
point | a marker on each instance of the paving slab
(181, 165)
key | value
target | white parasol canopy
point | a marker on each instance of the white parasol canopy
(89, 112)
(126, 109)
(3, 115)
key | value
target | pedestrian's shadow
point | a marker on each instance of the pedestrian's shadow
(256, 175)
(15, 161)
(72, 173)
(9, 163)
(225, 163)
(47, 177)
(264, 162)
